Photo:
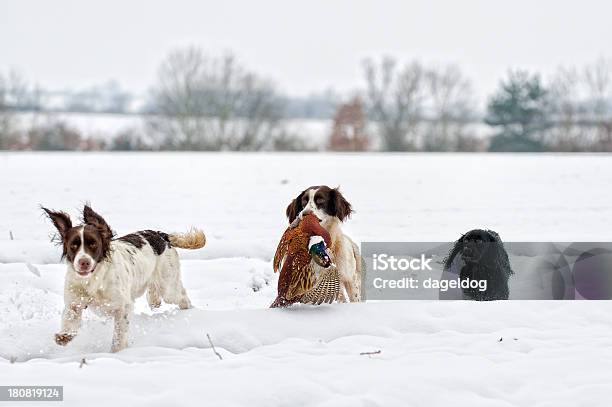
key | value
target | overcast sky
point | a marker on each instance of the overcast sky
(304, 46)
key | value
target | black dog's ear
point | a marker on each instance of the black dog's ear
(295, 207)
(456, 249)
(61, 220)
(338, 206)
(499, 254)
(90, 217)
(494, 236)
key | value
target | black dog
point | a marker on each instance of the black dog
(484, 258)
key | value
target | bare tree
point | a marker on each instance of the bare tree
(450, 98)
(598, 79)
(567, 133)
(5, 117)
(17, 91)
(13, 92)
(206, 103)
(394, 99)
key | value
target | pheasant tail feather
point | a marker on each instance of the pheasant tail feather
(326, 289)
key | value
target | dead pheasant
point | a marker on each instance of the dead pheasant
(307, 273)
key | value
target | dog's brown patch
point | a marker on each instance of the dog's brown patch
(97, 234)
(158, 241)
(63, 339)
(134, 239)
(63, 224)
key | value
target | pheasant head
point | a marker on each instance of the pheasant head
(318, 251)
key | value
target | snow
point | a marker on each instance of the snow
(515, 353)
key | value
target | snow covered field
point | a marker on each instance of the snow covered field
(431, 353)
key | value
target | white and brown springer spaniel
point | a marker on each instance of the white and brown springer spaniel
(108, 274)
(332, 209)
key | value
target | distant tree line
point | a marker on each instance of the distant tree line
(205, 103)
(418, 108)
(573, 112)
(429, 109)
(215, 103)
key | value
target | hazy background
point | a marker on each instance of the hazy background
(304, 46)
(307, 50)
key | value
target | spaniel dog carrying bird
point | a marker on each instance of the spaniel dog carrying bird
(330, 206)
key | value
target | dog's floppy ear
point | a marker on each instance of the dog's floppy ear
(494, 236)
(61, 220)
(295, 207)
(499, 254)
(90, 217)
(338, 206)
(457, 248)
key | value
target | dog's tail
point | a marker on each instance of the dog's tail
(193, 239)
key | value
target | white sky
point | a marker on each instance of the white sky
(303, 45)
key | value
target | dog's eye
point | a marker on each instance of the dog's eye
(320, 201)
(93, 245)
(74, 246)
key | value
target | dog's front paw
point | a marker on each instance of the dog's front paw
(62, 339)
(185, 303)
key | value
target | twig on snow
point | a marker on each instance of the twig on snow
(12, 359)
(33, 269)
(376, 352)
(11, 235)
(83, 363)
(212, 345)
